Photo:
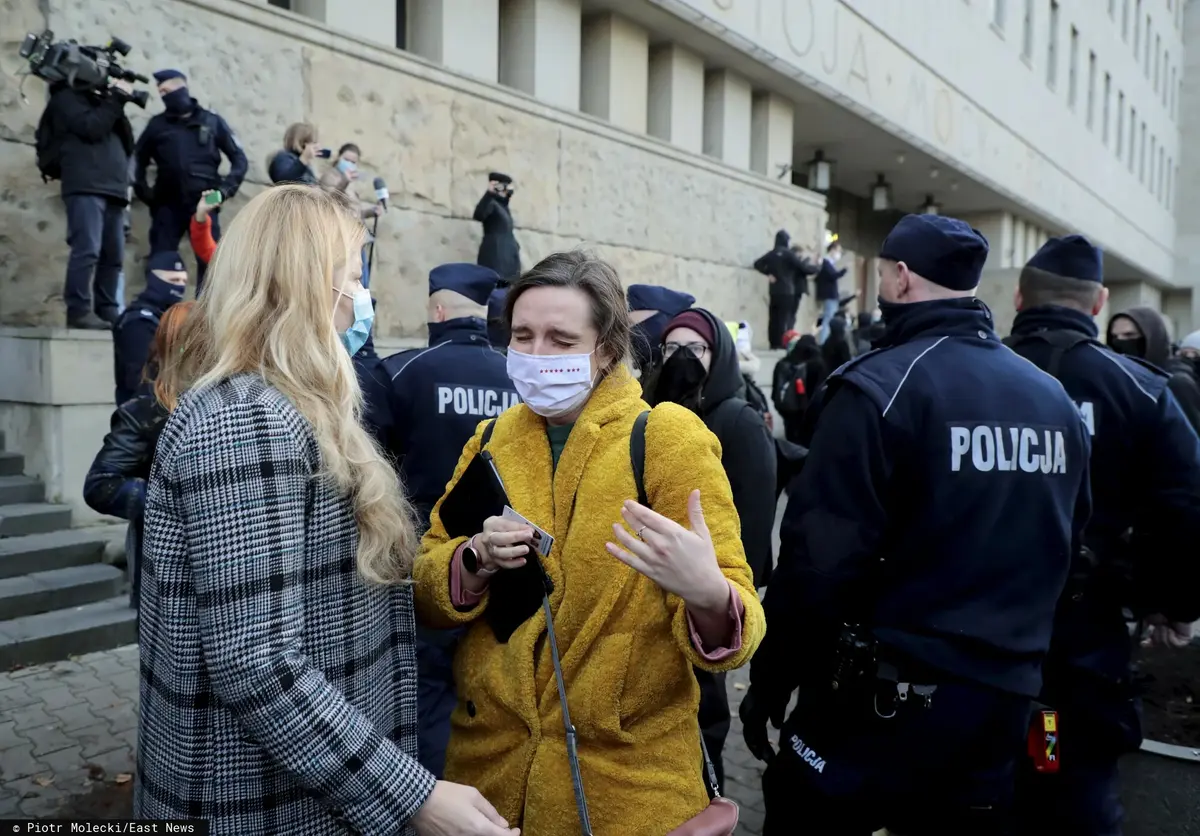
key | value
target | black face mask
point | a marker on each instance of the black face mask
(162, 292)
(1132, 346)
(681, 380)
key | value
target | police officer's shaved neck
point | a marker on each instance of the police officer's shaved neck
(446, 304)
(900, 285)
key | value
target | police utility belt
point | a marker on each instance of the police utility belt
(861, 664)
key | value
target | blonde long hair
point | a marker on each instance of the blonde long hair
(267, 309)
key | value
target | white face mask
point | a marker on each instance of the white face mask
(552, 385)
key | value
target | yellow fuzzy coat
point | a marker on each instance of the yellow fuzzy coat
(626, 653)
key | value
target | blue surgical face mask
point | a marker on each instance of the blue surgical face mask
(346, 166)
(355, 337)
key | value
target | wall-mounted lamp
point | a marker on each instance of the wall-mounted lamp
(881, 195)
(929, 207)
(820, 173)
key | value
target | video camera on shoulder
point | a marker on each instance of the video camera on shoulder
(82, 67)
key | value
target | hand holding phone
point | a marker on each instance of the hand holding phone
(325, 153)
(213, 197)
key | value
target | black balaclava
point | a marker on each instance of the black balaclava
(178, 101)
(681, 380)
(1132, 346)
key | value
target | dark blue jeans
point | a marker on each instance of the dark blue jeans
(96, 236)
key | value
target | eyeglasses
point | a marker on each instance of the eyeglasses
(697, 349)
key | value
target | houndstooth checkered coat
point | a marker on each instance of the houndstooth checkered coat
(278, 691)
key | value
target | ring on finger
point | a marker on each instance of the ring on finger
(639, 532)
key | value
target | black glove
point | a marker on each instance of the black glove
(756, 709)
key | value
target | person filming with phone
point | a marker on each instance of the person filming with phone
(583, 503)
(185, 144)
(294, 162)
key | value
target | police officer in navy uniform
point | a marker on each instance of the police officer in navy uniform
(923, 549)
(1145, 476)
(496, 331)
(133, 332)
(185, 142)
(439, 396)
(651, 307)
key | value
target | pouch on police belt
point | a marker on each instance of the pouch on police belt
(516, 594)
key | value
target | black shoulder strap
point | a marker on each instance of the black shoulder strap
(637, 455)
(487, 433)
(1060, 343)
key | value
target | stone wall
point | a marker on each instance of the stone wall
(661, 215)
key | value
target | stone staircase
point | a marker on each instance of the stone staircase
(57, 596)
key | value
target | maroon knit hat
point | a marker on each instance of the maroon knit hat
(695, 320)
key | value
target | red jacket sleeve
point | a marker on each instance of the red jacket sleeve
(200, 234)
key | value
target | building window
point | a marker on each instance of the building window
(1052, 46)
(1132, 138)
(998, 14)
(1106, 108)
(1112, 9)
(1137, 29)
(280, 4)
(1171, 93)
(1120, 125)
(1162, 174)
(1146, 49)
(1170, 174)
(1150, 174)
(1091, 94)
(1157, 62)
(1027, 32)
(1125, 20)
(1142, 154)
(1073, 69)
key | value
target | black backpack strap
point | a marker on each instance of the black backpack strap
(637, 456)
(487, 433)
(1060, 343)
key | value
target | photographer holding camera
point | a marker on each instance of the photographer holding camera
(185, 143)
(84, 139)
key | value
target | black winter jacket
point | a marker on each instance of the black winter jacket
(96, 143)
(116, 483)
(747, 447)
(789, 270)
(499, 249)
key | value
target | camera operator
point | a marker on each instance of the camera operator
(92, 140)
(185, 142)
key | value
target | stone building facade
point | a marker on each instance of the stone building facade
(659, 213)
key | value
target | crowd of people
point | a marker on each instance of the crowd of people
(493, 585)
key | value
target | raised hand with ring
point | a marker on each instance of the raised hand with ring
(679, 560)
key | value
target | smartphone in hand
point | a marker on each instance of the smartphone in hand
(213, 198)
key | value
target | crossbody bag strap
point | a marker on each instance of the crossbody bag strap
(637, 460)
(585, 822)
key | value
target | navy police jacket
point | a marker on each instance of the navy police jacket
(945, 488)
(439, 395)
(187, 151)
(133, 335)
(1145, 480)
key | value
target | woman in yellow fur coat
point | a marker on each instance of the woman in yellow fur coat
(640, 594)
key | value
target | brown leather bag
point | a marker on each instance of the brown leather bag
(720, 817)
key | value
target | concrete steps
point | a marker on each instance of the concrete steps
(57, 596)
(53, 636)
